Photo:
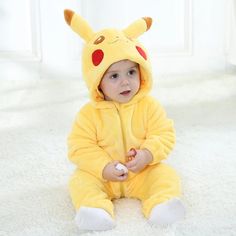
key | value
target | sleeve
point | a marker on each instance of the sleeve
(160, 136)
(83, 149)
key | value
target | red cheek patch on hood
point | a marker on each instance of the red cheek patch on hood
(97, 57)
(141, 52)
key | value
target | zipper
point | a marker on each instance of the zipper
(122, 130)
(124, 145)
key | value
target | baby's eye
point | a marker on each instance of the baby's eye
(114, 76)
(132, 72)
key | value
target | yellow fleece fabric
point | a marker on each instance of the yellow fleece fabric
(105, 131)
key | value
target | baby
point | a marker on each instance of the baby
(120, 137)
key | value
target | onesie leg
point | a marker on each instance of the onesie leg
(155, 185)
(92, 200)
(161, 204)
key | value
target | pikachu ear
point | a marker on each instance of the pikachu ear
(78, 24)
(138, 27)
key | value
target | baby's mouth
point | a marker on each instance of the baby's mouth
(126, 92)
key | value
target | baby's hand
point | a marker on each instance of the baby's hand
(141, 159)
(110, 172)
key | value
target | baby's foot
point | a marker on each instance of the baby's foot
(89, 218)
(167, 213)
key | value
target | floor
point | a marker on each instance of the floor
(35, 119)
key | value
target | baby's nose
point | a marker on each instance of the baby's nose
(124, 81)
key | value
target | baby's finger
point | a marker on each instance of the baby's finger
(131, 153)
(119, 172)
(134, 169)
(122, 177)
(131, 164)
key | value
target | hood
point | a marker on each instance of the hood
(103, 48)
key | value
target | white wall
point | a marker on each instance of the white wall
(187, 36)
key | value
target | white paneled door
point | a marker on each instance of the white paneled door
(20, 31)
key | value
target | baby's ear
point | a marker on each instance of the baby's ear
(78, 24)
(138, 27)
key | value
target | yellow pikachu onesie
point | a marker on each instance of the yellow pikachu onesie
(105, 131)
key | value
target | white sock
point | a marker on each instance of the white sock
(167, 213)
(89, 218)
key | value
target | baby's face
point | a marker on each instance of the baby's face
(121, 81)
